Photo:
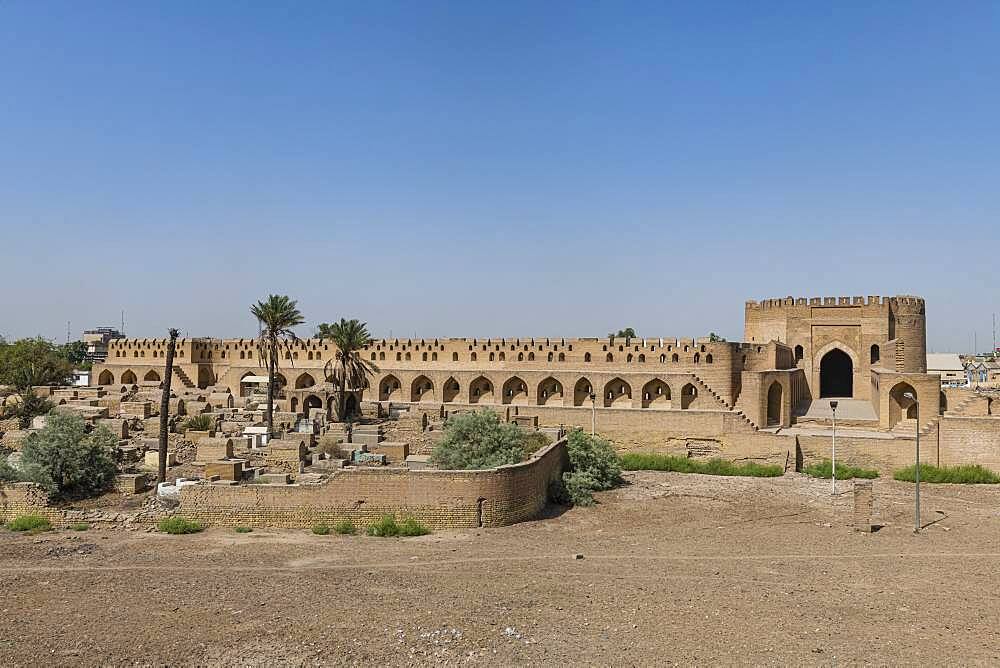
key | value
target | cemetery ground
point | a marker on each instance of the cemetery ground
(669, 569)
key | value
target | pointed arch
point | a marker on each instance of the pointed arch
(656, 394)
(450, 390)
(549, 392)
(582, 391)
(900, 407)
(617, 394)
(389, 388)
(421, 389)
(151, 376)
(515, 391)
(303, 381)
(774, 404)
(689, 393)
(311, 402)
(106, 378)
(128, 378)
(481, 391)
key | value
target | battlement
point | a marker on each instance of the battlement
(792, 302)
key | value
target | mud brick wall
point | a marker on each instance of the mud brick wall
(883, 454)
(440, 499)
(26, 498)
(967, 440)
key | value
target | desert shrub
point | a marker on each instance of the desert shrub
(29, 523)
(7, 472)
(79, 526)
(478, 440)
(384, 528)
(535, 441)
(202, 422)
(179, 525)
(824, 469)
(594, 467)
(969, 474)
(412, 527)
(243, 529)
(321, 530)
(66, 460)
(640, 461)
(345, 528)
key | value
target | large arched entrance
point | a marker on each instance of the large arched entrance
(836, 374)
(774, 405)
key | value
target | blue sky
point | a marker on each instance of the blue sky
(504, 169)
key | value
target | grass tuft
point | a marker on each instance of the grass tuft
(321, 530)
(33, 523)
(179, 525)
(79, 526)
(969, 474)
(388, 527)
(345, 528)
(844, 471)
(243, 529)
(641, 461)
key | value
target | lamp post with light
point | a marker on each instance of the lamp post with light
(916, 471)
(833, 458)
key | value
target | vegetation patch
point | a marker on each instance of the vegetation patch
(321, 530)
(970, 474)
(388, 527)
(203, 422)
(639, 461)
(33, 523)
(478, 440)
(179, 525)
(345, 528)
(243, 530)
(79, 526)
(824, 469)
(594, 467)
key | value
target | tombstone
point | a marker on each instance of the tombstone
(864, 504)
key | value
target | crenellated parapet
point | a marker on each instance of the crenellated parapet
(791, 302)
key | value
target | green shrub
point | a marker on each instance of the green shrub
(243, 530)
(411, 527)
(384, 528)
(844, 471)
(970, 474)
(593, 467)
(66, 460)
(535, 441)
(79, 526)
(30, 406)
(321, 530)
(388, 527)
(640, 461)
(29, 523)
(478, 440)
(345, 528)
(179, 525)
(202, 422)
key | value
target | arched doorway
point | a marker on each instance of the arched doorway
(617, 393)
(388, 388)
(304, 381)
(106, 378)
(422, 389)
(900, 407)
(481, 391)
(774, 404)
(656, 394)
(128, 378)
(836, 374)
(550, 392)
(450, 390)
(310, 402)
(205, 377)
(582, 391)
(688, 395)
(515, 391)
(151, 376)
(351, 405)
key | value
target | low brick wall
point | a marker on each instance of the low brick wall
(440, 499)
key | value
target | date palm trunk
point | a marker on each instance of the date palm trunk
(168, 372)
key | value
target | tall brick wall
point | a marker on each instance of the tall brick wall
(970, 440)
(440, 499)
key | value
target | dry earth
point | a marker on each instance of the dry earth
(676, 569)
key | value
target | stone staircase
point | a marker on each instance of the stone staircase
(183, 377)
(908, 425)
(725, 403)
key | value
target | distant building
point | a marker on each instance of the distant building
(949, 365)
(97, 342)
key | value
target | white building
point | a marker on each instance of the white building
(950, 366)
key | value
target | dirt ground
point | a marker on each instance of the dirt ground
(675, 569)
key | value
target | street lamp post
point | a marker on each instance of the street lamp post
(833, 459)
(593, 414)
(916, 475)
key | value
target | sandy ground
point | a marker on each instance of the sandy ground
(675, 569)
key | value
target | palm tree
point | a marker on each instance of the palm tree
(348, 368)
(276, 316)
(168, 372)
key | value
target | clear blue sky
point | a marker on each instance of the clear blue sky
(510, 168)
